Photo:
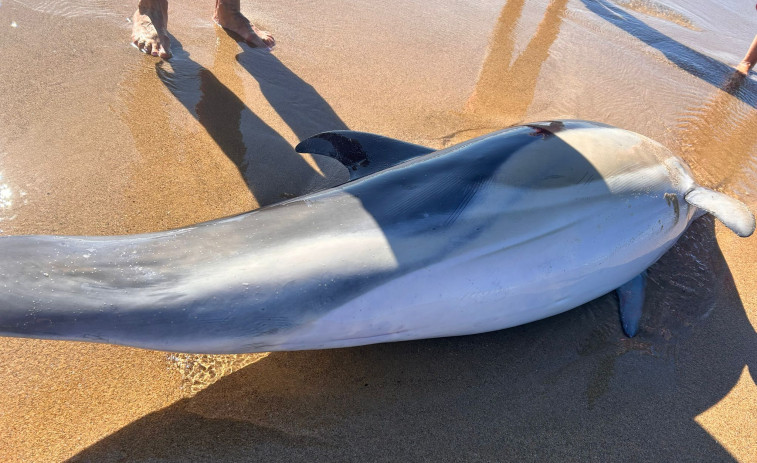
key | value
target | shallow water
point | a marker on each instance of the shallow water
(96, 138)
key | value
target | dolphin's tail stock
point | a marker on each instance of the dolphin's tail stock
(731, 212)
(85, 289)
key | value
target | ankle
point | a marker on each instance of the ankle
(745, 66)
(152, 7)
(227, 7)
(151, 4)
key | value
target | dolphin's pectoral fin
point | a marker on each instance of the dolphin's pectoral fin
(363, 153)
(631, 299)
(733, 213)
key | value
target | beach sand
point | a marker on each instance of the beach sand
(99, 139)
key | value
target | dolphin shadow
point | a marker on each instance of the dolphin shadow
(268, 163)
(695, 63)
(570, 387)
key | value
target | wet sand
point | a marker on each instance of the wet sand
(96, 138)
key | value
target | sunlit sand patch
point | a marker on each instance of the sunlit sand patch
(732, 420)
(9, 199)
(6, 195)
(198, 371)
(658, 10)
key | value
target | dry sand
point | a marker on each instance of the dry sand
(96, 138)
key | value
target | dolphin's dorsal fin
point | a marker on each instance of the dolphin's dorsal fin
(631, 301)
(363, 153)
(733, 213)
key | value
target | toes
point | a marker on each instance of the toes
(148, 37)
(164, 53)
(154, 48)
(165, 47)
(266, 38)
(261, 39)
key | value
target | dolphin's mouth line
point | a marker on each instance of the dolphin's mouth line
(347, 341)
(390, 333)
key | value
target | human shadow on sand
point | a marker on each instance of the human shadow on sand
(568, 388)
(695, 63)
(296, 102)
(271, 168)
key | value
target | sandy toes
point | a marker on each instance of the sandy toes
(236, 22)
(150, 31)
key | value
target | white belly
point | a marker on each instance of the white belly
(550, 260)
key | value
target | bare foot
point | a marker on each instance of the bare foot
(744, 67)
(229, 17)
(150, 28)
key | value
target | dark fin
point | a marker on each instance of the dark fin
(363, 153)
(631, 298)
(733, 213)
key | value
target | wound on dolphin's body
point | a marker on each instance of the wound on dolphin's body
(546, 129)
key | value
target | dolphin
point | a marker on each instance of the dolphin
(498, 231)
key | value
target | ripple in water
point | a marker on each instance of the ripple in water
(70, 8)
(717, 135)
(198, 371)
(658, 10)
